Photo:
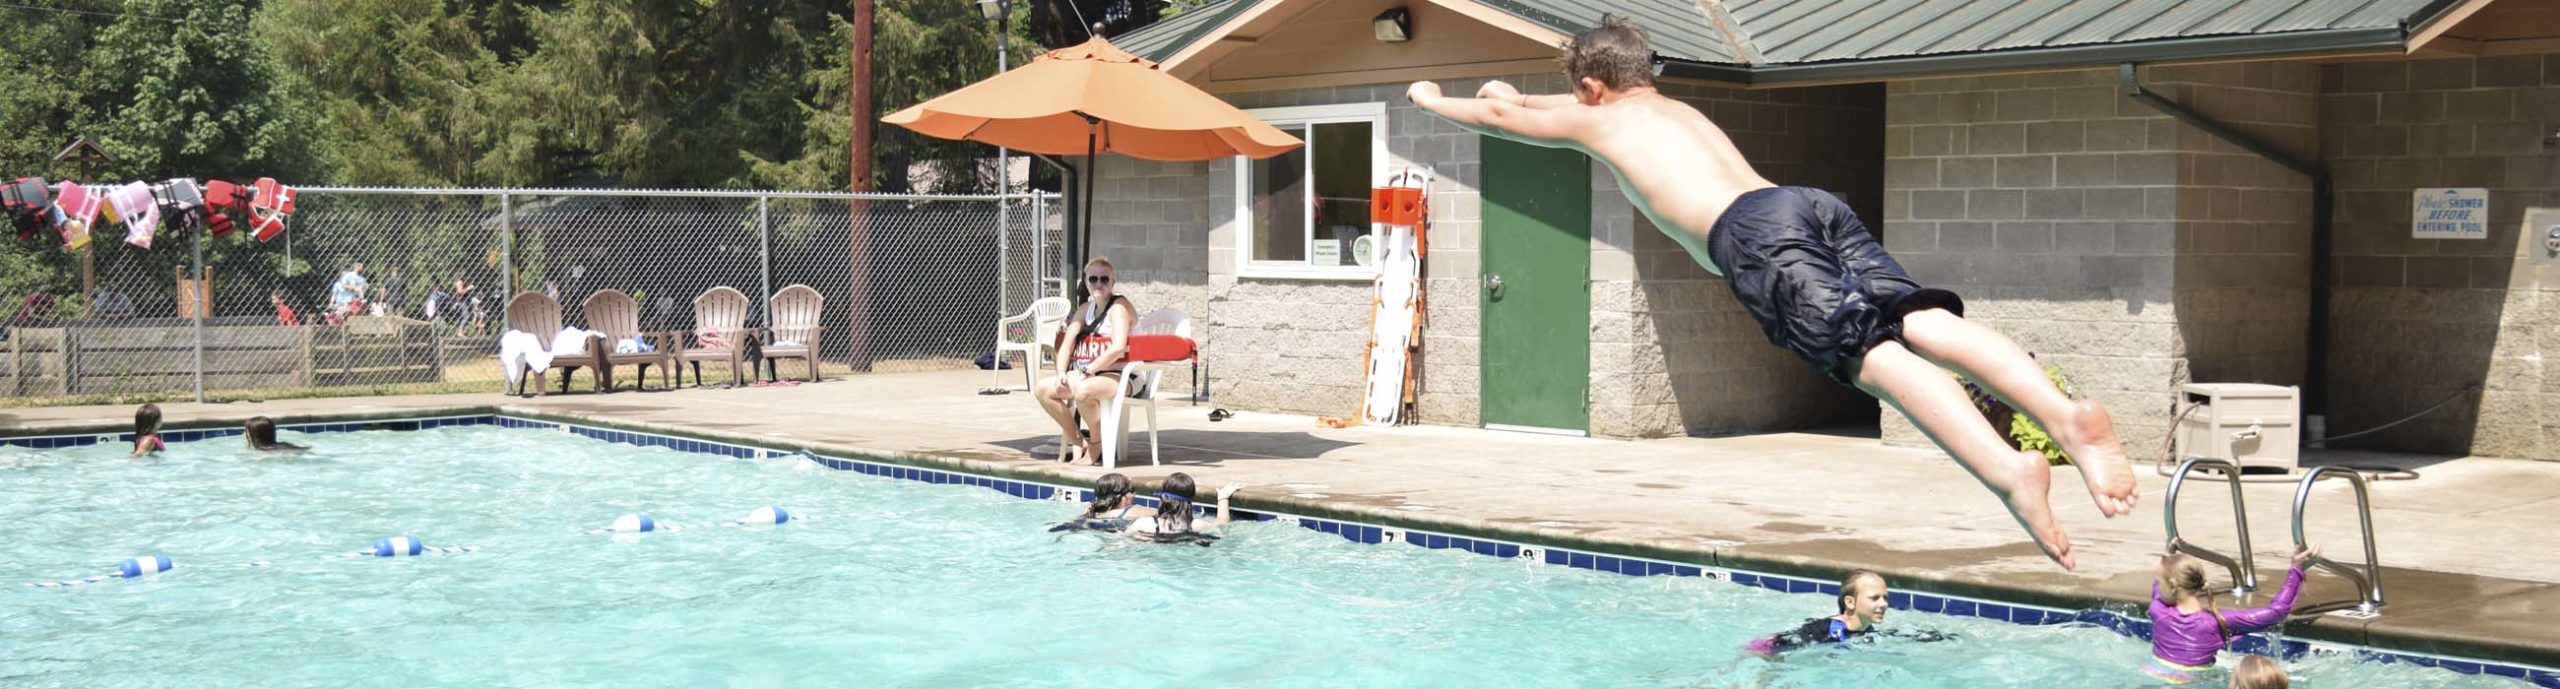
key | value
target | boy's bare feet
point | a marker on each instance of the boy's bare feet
(2024, 488)
(2093, 447)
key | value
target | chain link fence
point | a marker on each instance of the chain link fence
(379, 290)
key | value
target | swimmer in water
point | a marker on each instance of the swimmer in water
(2188, 629)
(146, 430)
(1862, 606)
(2259, 672)
(1172, 521)
(261, 432)
(1113, 506)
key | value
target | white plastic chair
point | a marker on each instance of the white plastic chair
(1139, 382)
(1047, 316)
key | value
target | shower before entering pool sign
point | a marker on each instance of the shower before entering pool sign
(2449, 213)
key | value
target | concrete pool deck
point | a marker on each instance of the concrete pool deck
(2470, 568)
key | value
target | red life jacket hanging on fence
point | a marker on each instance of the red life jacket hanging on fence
(27, 206)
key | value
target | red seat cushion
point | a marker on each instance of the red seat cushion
(1160, 347)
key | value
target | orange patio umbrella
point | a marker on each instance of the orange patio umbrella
(1094, 98)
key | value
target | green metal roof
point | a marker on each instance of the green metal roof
(1808, 40)
(1799, 31)
(1170, 35)
(1679, 29)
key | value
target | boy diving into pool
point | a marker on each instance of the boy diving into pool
(1812, 275)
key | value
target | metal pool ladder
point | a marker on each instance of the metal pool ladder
(2244, 571)
(2369, 581)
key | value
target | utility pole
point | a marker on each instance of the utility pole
(858, 294)
(861, 96)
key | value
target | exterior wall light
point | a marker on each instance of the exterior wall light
(1393, 26)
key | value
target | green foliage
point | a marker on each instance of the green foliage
(921, 49)
(2020, 429)
(40, 85)
(699, 93)
(191, 96)
(1175, 7)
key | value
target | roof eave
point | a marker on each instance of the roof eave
(2197, 49)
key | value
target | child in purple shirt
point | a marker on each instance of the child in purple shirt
(2187, 629)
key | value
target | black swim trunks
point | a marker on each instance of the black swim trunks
(1817, 280)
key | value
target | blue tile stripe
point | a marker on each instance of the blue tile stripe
(1368, 534)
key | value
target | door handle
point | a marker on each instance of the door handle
(1493, 285)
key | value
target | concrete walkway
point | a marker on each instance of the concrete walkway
(2470, 568)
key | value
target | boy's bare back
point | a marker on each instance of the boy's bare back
(1676, 165)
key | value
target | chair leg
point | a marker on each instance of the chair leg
(1111, 437)
(813, 365)
(1155, 455)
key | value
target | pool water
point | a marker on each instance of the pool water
(895, 584)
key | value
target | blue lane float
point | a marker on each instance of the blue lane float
(629, 523)
(130, 568)
(769, 514)
(407, 546)
(641, 523)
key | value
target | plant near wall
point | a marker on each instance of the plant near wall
(2020, 429)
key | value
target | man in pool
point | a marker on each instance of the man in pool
(1863, 604)
(1817, 281)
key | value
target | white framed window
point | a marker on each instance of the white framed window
(1302, 214)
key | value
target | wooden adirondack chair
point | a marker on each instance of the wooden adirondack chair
(794, 331)
(535, 313)
(613, 313)
(722, 312)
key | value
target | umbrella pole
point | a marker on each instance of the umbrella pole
(1092, 167)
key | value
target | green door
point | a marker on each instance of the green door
(1535, 288)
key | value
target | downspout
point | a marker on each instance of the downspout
(2315, 383)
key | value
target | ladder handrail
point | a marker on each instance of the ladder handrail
(2369, 582)
(2244, 571)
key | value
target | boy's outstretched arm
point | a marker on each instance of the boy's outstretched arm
(1498, 90)
(1552, 128)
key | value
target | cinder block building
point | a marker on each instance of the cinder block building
(2144, 194)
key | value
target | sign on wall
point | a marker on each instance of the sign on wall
(2449, 213)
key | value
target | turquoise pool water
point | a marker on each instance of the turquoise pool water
(897, 584)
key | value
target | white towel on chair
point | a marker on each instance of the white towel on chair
(572, 342)
(521, 351)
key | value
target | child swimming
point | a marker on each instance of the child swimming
(1112, 508)
(2259, 672)
(146, 430)
(1172, 522)
(261, 432)
(1863, 605)
(2188, 629)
